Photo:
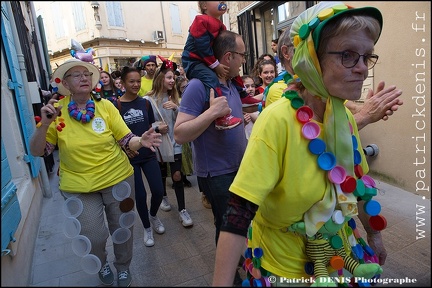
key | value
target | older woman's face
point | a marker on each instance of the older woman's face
(75, 80)
(341, 82)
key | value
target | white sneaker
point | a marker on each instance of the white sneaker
(148, 237)
(185, 218)
(157, 224)
(165, 205)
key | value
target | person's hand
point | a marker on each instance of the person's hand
(151, 139)
(219, 105)
(381, 104)
(375, 242)
(163, 128)
(247, 118)
(169, 104)
(130, 153)
(222, 71)
(50, 111)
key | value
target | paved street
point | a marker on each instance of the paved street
(185, 257)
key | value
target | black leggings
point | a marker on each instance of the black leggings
(178, 184)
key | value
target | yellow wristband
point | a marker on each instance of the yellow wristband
(139, 141)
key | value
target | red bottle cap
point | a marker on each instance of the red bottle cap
(358, 171)
(349, 185)
(378, 222)
(304, 114)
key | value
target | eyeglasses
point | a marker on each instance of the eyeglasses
(351, 58)
(78, 75)
(244, 55)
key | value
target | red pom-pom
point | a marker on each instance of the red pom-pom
(37, 118)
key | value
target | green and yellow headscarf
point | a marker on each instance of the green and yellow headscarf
(305, 34)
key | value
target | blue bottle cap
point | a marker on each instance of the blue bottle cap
(355, 143)
(326, 161)
(309, 268)
(360, 253)
(317, 146)
(352, 224)
(357, 157)
(258, 252)
(372, 207)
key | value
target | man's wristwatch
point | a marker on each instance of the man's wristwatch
(157, 129)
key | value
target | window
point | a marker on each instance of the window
(78, 15)
(114, 13)
(289, 10)
(175, 19)
(192, 14)
(58, 21)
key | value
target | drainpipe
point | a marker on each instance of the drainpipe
(163, 23)
(371, 150)
(46, 187)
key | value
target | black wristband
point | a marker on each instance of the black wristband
(157, 129)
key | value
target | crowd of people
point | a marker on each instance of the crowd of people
(222, 129)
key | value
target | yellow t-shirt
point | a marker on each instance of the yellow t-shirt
(146, 86)
(275, 92)
(289, 183)
(90, 157)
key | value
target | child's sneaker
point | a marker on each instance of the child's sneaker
(185, 218)
(165, 205)
(157, 224)
(250, 101)
(148, 237)
(227, 122)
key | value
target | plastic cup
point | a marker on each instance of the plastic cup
(91, 264)
(121, 235)
(81, 245)
(127, 219)
(121, 191)
(72, 207)
(71, 227)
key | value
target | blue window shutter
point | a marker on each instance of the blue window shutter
(10, 210)
(26, 118)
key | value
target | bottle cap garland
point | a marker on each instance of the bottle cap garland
(364, 188)
(83, 115)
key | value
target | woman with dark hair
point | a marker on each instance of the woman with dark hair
(138, 115)
(106, 88)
